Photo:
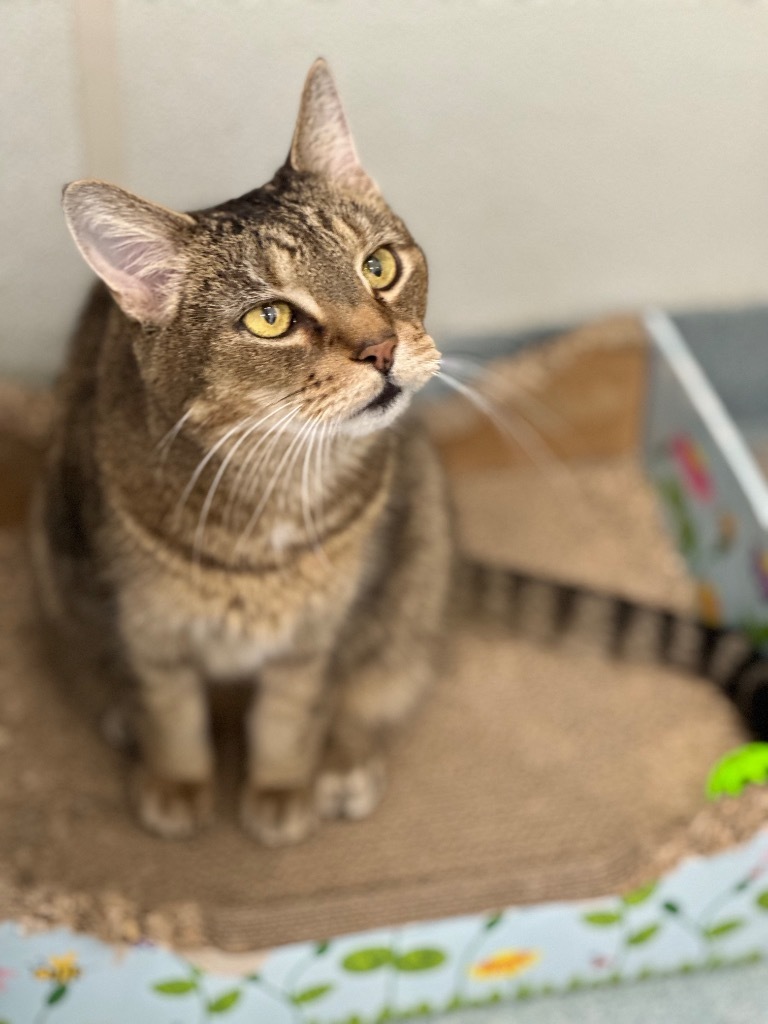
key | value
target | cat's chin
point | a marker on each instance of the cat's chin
(371, 419)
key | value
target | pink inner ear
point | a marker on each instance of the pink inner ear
(322, 141)
(139, 269)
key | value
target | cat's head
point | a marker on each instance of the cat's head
(305, 296)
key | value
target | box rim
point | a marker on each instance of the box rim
(670, 342)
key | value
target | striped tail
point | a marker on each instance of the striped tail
(554, 612)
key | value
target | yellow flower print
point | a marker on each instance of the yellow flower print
(59, 969)
(505, 964)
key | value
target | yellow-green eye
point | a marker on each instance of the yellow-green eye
(270, 320)
(380, 269)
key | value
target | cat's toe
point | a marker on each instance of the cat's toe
(170, 808)
(278, 817)
(353, 792)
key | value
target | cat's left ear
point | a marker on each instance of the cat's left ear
(322, 140)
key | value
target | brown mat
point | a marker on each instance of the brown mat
(531, 775)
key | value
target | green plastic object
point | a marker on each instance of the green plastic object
(745, 766)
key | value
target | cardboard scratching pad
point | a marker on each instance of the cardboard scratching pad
(530, 775)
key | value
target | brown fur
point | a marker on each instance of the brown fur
(153, 565)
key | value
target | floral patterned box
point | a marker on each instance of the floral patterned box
(706, 427)
(706, 913)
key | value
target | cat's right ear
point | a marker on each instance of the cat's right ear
(322, 140)
(136, 247)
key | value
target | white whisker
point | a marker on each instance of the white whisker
(206, 508)
(275, 428)
(318, 471)
(326, 440)
(306, 495)
(304, 431)
(520, 432)
(165, 443)
(505, 389)
(200, 468)
(257, 512)
(266, 456)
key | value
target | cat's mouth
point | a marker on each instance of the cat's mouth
(384, 399)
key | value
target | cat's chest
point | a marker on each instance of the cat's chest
(265, 618)
(230, 623)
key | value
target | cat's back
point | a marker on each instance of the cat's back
(68, 501)
(71, 474)
(76, 386)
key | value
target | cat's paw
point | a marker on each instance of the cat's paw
(170, 808)
(278, 817)
(351, 792)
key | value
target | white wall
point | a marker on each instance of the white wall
(556, 158)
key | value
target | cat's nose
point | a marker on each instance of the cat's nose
(380, 353)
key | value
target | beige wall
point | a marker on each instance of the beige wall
(556, 158)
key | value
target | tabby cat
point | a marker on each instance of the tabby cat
(235, 490)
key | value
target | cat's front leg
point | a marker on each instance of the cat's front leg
(173, 786)
(287, 725)
(373, 700)
(384, 665)
(386, 655)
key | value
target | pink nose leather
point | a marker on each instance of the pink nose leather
(381, 354)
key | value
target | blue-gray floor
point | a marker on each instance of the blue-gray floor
(735, 996)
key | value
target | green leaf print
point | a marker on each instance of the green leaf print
(756, 631)
(309, 995)
(367, 959)
(674, 497)
(56, 995)
(225, 1002)
(644, 935)
(422, 1010)
(420, 960)
(177, 987)
(718, 931)
(492, 921)
(762, 900)
(639, 895)
(603, 918)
